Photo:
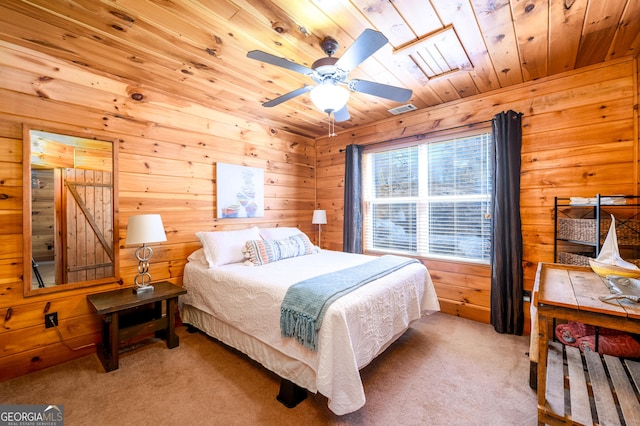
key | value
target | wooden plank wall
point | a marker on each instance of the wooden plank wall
(168, 149)
(580, 137)
(42, 208)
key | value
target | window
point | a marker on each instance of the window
(432, 199)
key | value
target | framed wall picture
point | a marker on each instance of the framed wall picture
(240, 191)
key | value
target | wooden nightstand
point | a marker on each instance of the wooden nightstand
(126, 314)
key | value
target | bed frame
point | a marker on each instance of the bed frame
(331, 370)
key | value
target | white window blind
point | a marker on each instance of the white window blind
(432, 199)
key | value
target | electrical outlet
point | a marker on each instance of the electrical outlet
(50, 320)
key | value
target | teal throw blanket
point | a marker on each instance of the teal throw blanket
(306, 302)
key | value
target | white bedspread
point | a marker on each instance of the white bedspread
(356, 327)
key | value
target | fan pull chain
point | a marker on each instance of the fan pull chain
(332, 125)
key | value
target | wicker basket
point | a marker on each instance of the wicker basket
(573, 259)
(583, 260)
(628, 232)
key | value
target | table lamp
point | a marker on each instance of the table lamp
(144, 229)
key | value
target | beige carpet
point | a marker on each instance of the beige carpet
(444, 371)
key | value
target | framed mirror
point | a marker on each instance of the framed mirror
(70, 223)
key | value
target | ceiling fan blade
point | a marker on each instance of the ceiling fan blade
(342, 114)
(281, 62)
(287, 96)
(393, 93)
(365, 45)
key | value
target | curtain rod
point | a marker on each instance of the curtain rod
(422, 135)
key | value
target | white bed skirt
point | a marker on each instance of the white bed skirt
(272, 359)
(281, 364)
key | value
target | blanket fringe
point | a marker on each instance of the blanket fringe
(299, 325)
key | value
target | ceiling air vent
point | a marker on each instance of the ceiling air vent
(403, 108)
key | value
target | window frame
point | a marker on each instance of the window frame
(420, 140)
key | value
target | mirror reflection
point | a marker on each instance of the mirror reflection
(72, 210)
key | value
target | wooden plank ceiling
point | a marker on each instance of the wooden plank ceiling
(443, 50)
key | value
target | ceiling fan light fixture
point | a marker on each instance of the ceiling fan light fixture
(328, 97)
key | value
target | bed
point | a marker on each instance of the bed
(240, 305)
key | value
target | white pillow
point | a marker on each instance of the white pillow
(198, 256)
(223, 247)
(278, 233)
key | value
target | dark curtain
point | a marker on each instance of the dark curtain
(352, 232)
(507, 315)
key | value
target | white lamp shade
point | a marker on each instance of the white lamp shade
(319, 217)
(145, 228)
(328, 97)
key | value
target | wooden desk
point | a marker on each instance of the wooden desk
(124, 316)
(571, 293)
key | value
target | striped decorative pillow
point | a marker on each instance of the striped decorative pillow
(261, 252)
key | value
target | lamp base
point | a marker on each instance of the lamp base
(143, 288)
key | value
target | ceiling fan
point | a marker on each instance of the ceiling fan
(331, 74)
